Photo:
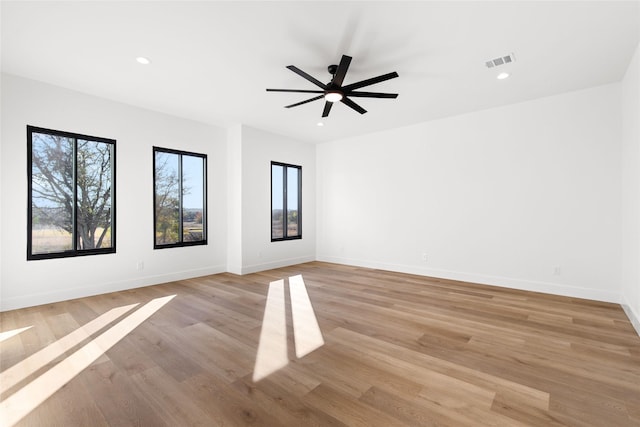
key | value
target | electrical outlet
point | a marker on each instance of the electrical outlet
(557, 270)
(140, 266)
(425, 257)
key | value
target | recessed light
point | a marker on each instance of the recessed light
(502, 76)
(320, 124)
(142, 60)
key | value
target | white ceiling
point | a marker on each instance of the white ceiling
(211, 61)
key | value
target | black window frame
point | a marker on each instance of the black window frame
(75, 251)
(284, 202)
(205, 224)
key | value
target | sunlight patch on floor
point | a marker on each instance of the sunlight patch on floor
(31, 364)
(272, 348)
(8, 334)
(306, 331)
(23, 401)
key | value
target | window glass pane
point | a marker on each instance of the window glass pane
(167, 198)
(180, 198)
(293, 219)
(93, 177)
(277, 202)
(71, 194)
(51, 193)
(192, 198)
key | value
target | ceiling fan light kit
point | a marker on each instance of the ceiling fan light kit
(333, 91)
(333, 96)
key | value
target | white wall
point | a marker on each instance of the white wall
(136, 131)
(259, 148)
(631, 191)
(234, 199)
(501, 196)
(525, 196)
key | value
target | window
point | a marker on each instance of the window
(179, 199)
(286, 201)
(71, 186)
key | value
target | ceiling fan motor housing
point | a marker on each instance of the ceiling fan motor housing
(334, 91)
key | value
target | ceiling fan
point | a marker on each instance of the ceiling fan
(334, 91)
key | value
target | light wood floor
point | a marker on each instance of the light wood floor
(400, 350)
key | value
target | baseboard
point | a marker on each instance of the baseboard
(248, 269)
(634, 317)
(505, 282)
(527, 285)
(103, 288)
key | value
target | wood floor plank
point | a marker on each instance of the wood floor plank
(399, 350)
(11, 349)
(113, 392)
(62, 410)
(414, 413)
(278, 400)
(226, 405)
(395, 358)
(349, 411)
(167, 399)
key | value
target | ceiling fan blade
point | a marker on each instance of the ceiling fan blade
(304, 102)
(327, 108)
(353, 105)
(306, 76)
(372, 95)
(370, 81)
(338, 78)
(295, 90)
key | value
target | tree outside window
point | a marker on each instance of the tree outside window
(71, 186)
(179, 198)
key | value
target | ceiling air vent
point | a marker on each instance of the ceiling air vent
(500, 61)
